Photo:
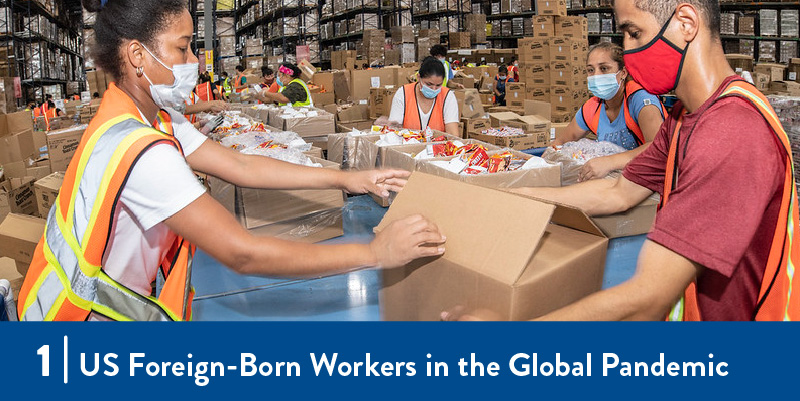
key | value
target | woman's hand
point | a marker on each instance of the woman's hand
(217, 106)
(406, 240)
(378, 182)
(596, 168)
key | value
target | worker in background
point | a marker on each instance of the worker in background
(724, 244)
(427, 102)
(144, 209)
(621, 112)
(206, 90)
(268, 81)
(500, 82)
(292, 90)
(240, 81)
(31, 106)
(513, 68)
(440, 53)
(203, 101)
(225, 83)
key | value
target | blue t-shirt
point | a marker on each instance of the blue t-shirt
(617, 132)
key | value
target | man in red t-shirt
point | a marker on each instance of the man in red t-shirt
(717, 226)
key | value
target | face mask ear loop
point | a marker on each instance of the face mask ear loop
(156, 58)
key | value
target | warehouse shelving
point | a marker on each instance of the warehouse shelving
(64, 45)
(726, 7)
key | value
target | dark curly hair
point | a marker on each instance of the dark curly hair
(121, 20)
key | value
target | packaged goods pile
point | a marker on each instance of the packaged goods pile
(788, 110)
(474, 160)
(573, 155)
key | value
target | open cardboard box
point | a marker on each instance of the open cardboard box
(515, 256)
(19, 235)
(538, 177)
(402, 157)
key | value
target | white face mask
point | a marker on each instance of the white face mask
(175, 95)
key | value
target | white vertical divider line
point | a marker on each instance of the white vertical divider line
(66, 373)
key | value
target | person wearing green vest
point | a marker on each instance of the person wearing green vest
(440, 52)
(225, 83)
(292, 90)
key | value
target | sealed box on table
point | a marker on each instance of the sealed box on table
(475, 125)
(62, 145)
(486, 266)
(353, 117)
(46, 190)
(322, 123)
(19, 235)
(301, 215)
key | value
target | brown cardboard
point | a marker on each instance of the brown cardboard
(551, 7)
(19, 235)
(776, 72)
(573, 27)
(740, 62)
(322, 124)
(312, 228)
(62, 145)
(362, 80)
(540, 177)
(788, 87)
(15, 123)
(262, 207)
(380, 101)
(307, 70)
(635, 221)
(323, 99)
(518, 142)
(544, 26)
(469, 103)
(14, 272)
(488, 268)
(19, 195)
(46, 190)
(475, 125)
(402, 157)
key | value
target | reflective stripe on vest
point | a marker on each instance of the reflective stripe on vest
(591, 111)
(307, 102)
(412, 118)
(446, 73)
(204, 92)
(777, 284)
(66, 280)
(226, 86)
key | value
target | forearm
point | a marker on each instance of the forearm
(596, 197)
(620, 160)
(273, 97)
(274, 257)
(614, 304)
(452, 129)
(196, 108)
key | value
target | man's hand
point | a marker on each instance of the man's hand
(378, 182)
(461, 314)
(217, 106)
(596, 168)
(458, 85)
(406, 240)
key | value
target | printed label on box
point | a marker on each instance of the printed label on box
(376, 82)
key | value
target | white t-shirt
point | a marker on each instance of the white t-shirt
(398, 112)
(160, 184)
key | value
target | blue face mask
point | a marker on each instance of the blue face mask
(428, 92)
(604, 86)
(278, 80)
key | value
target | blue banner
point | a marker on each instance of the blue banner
(398, 360)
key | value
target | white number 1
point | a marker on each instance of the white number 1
(44, 351)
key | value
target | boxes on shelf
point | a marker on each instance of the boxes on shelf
(573, 27)
(562, 261)
(789, 23)
(476, 26)
(768, 22)
(402, 34)
(740, 62)
(746, 25)
(552, 7)
(543, 26)
(460, 40)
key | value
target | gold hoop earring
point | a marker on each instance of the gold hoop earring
(139, 71)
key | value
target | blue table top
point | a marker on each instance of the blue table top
(222, 294)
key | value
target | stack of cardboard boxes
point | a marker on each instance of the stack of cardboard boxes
(373, 44)
(98, 81)
(553, 68)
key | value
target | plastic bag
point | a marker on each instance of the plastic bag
(573, 155)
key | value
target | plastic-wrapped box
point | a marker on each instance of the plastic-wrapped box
(517, 27)
(768, 21)
(767, 51)
(789, 23)
(311, 23)
(495, 8)
(747, 25)
(788, 51)
(728, 24)
(593, 22)
(747, 47)
(606, 23)
(225, 27)
(505, 27)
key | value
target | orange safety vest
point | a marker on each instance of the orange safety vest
(193, 99)
(274, 88)
(778, 285)
(204, 93)
(591, 111)
(413, 120)
(66, 279)
(238, 82)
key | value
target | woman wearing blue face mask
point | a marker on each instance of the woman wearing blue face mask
(131, 205)
(621, 112)
(426, 103)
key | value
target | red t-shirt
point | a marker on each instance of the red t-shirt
(723, 212)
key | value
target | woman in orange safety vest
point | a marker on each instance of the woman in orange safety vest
(130, 204)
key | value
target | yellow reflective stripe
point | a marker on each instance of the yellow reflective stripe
(52, 263)
(51, 314)
(676, 314)
(35, 289)
(66, 232)
(87, 152)
(111, 168)
(108, 280)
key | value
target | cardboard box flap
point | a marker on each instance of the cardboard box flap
(575, 218)
(509, 239)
